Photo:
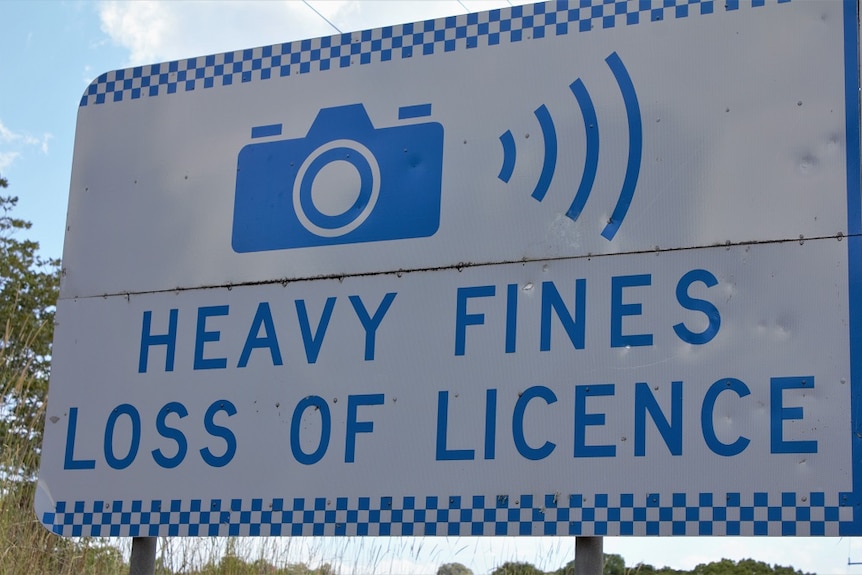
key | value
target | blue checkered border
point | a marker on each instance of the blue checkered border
(653, 514)
(508, 25)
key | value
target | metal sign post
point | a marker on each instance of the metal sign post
(610, 285)
(143, 558)
(589, 555)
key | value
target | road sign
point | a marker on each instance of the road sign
(586, 269)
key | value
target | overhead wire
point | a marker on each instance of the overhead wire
(325, 19)
(337, 29)
(334, 27)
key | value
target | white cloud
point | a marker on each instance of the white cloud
(6, 159)
(159, 31)
(43, 145)
(142, 27)
(154, 31)
(6, 135)
(13, 144)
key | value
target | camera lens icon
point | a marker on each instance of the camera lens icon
(336, 188)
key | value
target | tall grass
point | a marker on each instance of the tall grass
(26, 546)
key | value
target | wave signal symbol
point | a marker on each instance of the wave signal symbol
(591, 127)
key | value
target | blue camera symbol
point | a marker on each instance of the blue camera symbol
(345, 182)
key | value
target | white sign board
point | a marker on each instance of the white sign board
(560, 269)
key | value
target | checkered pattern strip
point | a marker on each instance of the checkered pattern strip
(554, 514)
(466, 31)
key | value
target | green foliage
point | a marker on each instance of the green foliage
(512, 568)
(615, 565)
(233, 565)
(255, 560)
(744, 567)
(647, 569)
(29, 286)
(453, 569)
(27, 547)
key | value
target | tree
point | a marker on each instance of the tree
(515, 568)
(28, 293)
(29, 286)
(744, 567)
(614, 565)
(453, 569)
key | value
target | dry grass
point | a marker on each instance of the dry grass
(26, 546)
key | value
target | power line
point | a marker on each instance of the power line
(325, 19)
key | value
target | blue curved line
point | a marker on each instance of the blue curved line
(591, 126)
(550, 136)
(633, 113)
(509, 154)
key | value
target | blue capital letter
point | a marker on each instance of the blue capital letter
(202, 336)
(354, 426)
(706, 417)
(551, 300)
(319, 404)
(671, 431)
(219, 431)
(312, 342)
(583, 419)
(463, 319)
(444, 454)
(135, 419)
(778, 414)
(171, 433)
(147, 339)
(694, 304)
(371, 323)
(70, 462)
(518, 423)
(262, 317)
(620, 310)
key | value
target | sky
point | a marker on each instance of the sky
(51, 50)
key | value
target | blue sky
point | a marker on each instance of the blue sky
(49, 49)
(52, 50)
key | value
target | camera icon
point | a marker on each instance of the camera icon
(345, 182)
